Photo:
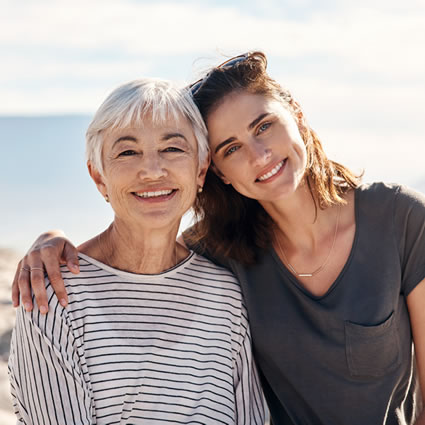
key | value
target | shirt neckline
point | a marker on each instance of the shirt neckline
(335, 283)
(139, 276)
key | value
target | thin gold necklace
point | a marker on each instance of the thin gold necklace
(326, 260)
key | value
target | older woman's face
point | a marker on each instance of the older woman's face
(151, 173)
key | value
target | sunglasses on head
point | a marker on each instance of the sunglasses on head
(194, 87)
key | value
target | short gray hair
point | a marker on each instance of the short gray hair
(128, 105)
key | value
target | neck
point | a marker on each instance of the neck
(299, 222)
(144, 251)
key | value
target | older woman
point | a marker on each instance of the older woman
(153, 333)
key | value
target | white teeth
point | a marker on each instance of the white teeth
(153, 194)
(271, 172)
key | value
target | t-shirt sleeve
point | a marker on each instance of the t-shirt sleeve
(45, 370)
(409, 223)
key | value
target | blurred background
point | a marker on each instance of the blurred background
(357, 68)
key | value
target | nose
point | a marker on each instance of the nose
(152, 167)
(259, 153)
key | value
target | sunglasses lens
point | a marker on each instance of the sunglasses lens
(195, 86)
(233, 61)
(228, 64)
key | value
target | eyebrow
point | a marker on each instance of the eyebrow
(124, 138)
(257, 120)
(250, 127)
(169, 136)
(166, 137)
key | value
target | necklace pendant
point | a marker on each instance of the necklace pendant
(288, 264)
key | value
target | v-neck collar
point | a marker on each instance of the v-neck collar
(298, 284)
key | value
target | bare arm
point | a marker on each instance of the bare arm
(49, 251)
(415, 303)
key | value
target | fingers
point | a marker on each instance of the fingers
(47, 259)
(70, 256)
(36, 275)
(24, 286)
(46, 254)
(52, 266)
(15, 287)
(43, 259)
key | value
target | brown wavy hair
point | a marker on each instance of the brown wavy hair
(230, 225)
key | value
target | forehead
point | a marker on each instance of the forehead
(239, 109)
(249, 104)
(156, 125)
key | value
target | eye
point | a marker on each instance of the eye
(263, 127)
(127, 152)
(231, 150)
(173, 149)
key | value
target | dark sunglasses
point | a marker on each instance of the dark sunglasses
(194, 87)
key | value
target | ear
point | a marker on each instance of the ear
(299, 115)
(97, 178)
(202, 171)
(219, 173)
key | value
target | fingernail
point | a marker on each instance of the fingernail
(43, 309)
(27, 306)
(75, 266)
(63, 302)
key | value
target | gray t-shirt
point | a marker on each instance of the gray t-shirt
(345, 358)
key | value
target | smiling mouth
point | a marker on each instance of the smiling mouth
(154, 194)
(272, 172)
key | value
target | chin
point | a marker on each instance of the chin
(155, 219)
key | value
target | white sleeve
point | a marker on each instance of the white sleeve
(46, 370)
(249, 400)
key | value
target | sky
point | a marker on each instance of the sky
(357, 68)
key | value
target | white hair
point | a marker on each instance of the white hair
(128, 105)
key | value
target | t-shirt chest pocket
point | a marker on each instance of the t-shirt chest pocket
(372, 350)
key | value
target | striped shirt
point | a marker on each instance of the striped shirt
(171, 348)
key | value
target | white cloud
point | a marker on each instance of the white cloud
(107, 41)
(75, 69)
(168, 27)
(349, 105)
(383, 155)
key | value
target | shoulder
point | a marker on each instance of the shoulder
(203, 266)
(381, 195)
(211, 278)
(378, 190)
(90, 270)
(410, 197)
(382, 189)
(44, 324)
(224, 288)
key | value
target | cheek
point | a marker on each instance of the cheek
(117, 179)
(302, 150)
(186, 172)
(300, 147)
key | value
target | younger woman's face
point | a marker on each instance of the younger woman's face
(256, 146)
